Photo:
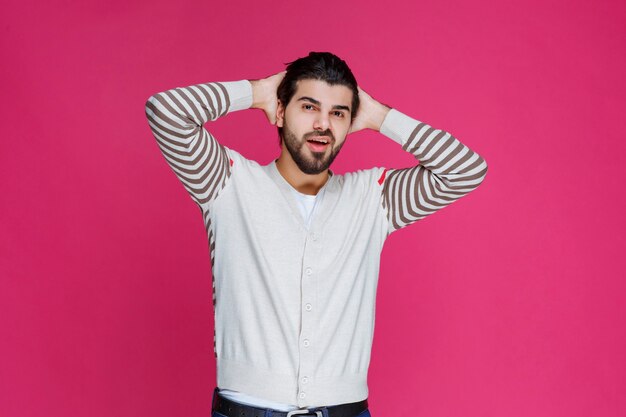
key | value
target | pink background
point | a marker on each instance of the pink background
(510, 302)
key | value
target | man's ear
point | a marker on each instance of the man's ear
(280, 114)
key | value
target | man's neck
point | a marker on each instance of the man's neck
(305, 183)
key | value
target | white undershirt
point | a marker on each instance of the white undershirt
(306, 204)
(242, 398)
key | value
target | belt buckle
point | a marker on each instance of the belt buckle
(304, 411)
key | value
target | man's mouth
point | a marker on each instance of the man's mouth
(318, 143)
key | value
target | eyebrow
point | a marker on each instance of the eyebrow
(317, 103)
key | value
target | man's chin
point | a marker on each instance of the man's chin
(313, 169)
(312, 163)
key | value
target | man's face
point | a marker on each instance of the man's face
(317, 113)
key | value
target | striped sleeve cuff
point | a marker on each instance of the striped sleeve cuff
(398, 126)
(239, 93)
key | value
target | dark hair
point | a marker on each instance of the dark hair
(322, 66)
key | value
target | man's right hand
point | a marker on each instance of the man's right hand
(264, 95)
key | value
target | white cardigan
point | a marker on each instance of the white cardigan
(295, 307)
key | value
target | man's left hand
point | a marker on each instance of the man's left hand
(370, 114)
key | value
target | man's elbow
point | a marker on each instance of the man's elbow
(154, 108)
(151, 104)
(482, 171)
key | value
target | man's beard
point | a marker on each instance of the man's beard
(310, 162)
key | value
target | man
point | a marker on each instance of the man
(295, 248)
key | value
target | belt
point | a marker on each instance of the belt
(233, 409)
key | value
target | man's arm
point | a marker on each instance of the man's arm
(447, 169)
(176, 118)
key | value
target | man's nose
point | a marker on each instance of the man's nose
(321, 122)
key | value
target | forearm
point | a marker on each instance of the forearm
(447, 170)
(437, 150)
(176, 118)
(185, 109)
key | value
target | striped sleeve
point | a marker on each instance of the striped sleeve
(447, 171)
(177, 117)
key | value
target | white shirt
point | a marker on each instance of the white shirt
(307, 204)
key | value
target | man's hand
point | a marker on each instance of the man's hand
(264, 95)
(370, 114)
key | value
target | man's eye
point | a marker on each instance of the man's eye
(308, 107)
(339, 114)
